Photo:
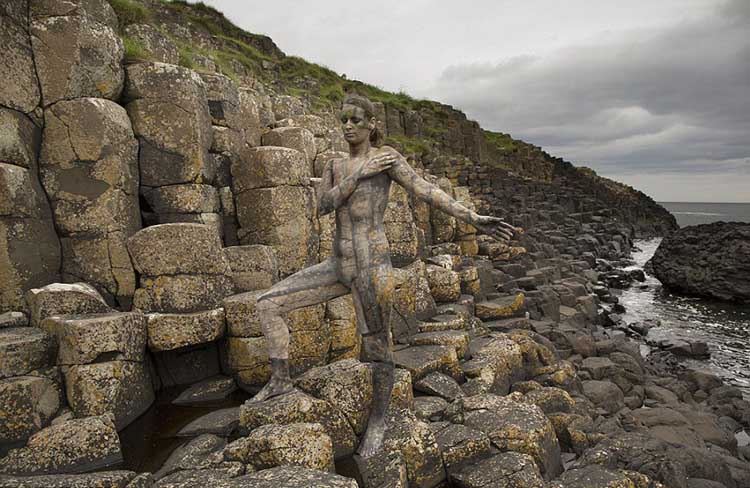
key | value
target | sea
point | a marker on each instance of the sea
(724, 326)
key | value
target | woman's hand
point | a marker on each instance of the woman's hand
(378, 164)
(493, 227)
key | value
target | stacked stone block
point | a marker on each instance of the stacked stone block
(400, 229)
(465, 234)
(184, 277)
(276, 204)
(89, 169)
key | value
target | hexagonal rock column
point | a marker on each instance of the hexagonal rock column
(102, 358)
(64, 299)
(89, 169)
(29, 246)
(21, 91)
(76, 49)
(400, 228)
(466, 234)
(443, 225)
(275, 204)
(184, 277)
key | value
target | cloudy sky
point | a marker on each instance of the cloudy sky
(655, 94)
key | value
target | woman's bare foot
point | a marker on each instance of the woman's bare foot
(373, 439)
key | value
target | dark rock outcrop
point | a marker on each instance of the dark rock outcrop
(710, 260)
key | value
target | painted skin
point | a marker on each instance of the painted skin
(357, 189)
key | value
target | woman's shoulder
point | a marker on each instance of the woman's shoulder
(387, 150)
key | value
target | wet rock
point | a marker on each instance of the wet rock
(29, 404)
(347, 385)
(271, 445)
(105, 479)
(296, 477)
(121, 388)
(686, 348)
(508, 469)
(219, 422)
(604, 394)
(200, 453)
(208, 390)
(64, 299)
(252, 267)
(459, 445)
(171, 331)
(77, 52)
(707, 260)
(173, 249)
(74, 446)
(439, 384)
(84, 339)
(297, 407)
(24, 349)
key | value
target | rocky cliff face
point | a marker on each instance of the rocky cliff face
(155, 176)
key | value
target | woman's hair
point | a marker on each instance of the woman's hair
(376, 136)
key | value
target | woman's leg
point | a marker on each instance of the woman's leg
(310, 286)
(373, 298)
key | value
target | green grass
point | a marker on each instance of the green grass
(410, 145)
(130, 12)
(134, 49)
(500, 141)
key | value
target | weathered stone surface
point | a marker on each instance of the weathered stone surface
(594, 475)
(296, 477)
(170, 115)
(20, 137)
(439, 384)
(550, 399)
(182, 293)
(269, 166)
(64, 299)
(202, 452)
(24, 349)
(386, 469)
(82, 339)
(347, 385)
(460, 445)
(515, 426)
(301, 444)
(342, 320)
(223, 100)
(459, 340)
(74, 446)
(247, 360)
(171, 331)
(13, 319)
(297, 138)
(198, 478)
(159, 47)
(182, 198)
(17, 63)
(400, 228)
(171, 249)
(505, 470)
(19, 192)
(29, 403)
(709, 260)
(445, 285)
(241, 315)
(604, 394)
(187, 365)
(416, 443)
(285, 106)
(404, 320)
(422, 360)
(298, 407)
(29, 258)
(504, 358)
(77, 52)
(281, 217)
(252, 267)
(105, 479)
(249, 117)
(222, 422)
(501, 308)
(208, 390)
(429, 408)
(120, 388)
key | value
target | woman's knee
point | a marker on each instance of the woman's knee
(380, 281)
(267, 306)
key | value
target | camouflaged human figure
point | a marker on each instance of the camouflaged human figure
(357, 189)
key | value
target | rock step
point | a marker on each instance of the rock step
(458, 340)
(501, 308)
(420, 361)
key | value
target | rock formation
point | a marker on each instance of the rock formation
(709, 260)
(150, 154)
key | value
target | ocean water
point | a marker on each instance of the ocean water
(705, 213)
(725, 327)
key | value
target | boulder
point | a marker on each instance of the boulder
(223, 100)
(439, 384)
(709, 260)
(299, 407)
(501, 308)
(119, 388)
(301, 444)
(202, 452)
(77, 51)
(29, 404)
(168, 331)
(508, 469)
(64, 299)
(445, 285)
(604, 394)
(181, 293)
(423, 360)
(459, 445)
(105, 479)
(73, 446)
(416, 443)
(222, 422)
(295, 477)
(24, 349)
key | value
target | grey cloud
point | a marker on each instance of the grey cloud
(646, 100)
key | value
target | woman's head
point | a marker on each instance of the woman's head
(358, 113)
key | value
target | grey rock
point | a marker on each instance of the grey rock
(64, 299)
(439, 384)
(105, 479)
(510, 469)
(167, 331)
(208, 390)
(29, 404)
(24, 349)
(22, 93)
(13, 319)
(220, 422)
(295, 477)
(200, 453)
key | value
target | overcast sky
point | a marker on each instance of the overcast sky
(655, 94)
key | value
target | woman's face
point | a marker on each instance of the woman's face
(355, 125)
